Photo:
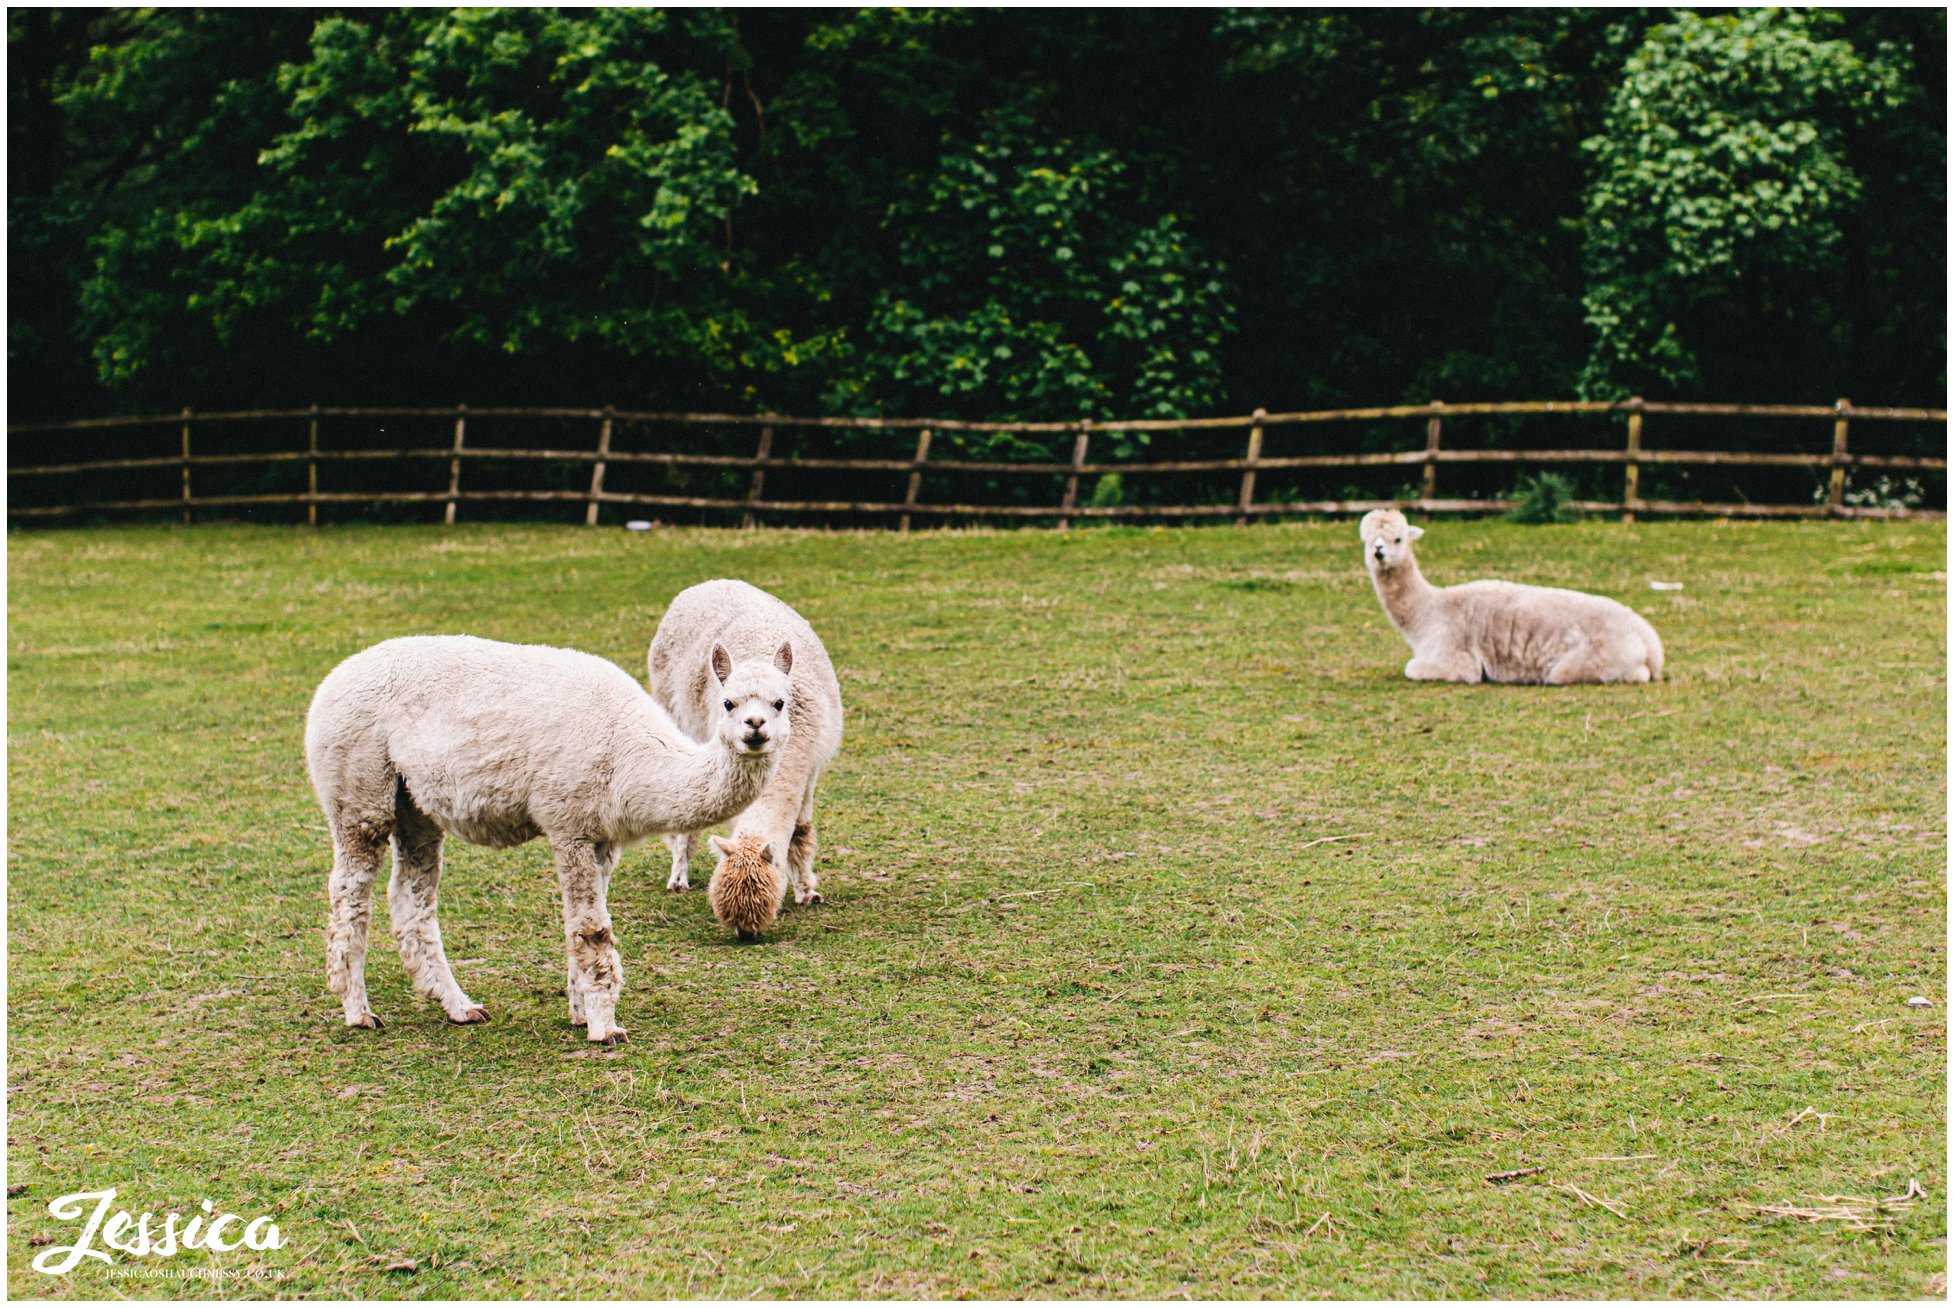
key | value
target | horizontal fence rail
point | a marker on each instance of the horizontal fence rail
(1241, 505)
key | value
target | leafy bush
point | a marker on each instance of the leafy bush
(1543, 498)
(1108, 492)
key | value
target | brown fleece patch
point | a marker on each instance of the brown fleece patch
(746, 888)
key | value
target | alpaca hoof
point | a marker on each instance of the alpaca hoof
(811, 897)
(678, 887)
(368, 1021)
(614, 1039)
(470, 1017)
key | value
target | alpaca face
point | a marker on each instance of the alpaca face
(747, 886)
(1387, 539)
(752, 699)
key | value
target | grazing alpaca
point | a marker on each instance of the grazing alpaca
(747, 621)
(1498, 630)
(427, 736)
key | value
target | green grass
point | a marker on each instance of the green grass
(1174, 944)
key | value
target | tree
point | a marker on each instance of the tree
(1725, 188)
(1032, 282)
(971, 213)
(494, 180)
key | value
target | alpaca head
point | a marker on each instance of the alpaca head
(747, 886)
(1387, 539)
(752, 698)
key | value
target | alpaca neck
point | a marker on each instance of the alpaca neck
(668, 785)
(772, 816)
(1405, 594)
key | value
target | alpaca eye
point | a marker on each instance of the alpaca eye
(779, 704)
(729, 706)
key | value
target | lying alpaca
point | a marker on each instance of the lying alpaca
(1498, 630)
(426, 736)
(748, 621)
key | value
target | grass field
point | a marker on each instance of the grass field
(1174, 944)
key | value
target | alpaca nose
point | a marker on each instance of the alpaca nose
(756, 721)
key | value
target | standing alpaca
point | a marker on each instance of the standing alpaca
(747, 888)
(1498, 630)
(427, 736)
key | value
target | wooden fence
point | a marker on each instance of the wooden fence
(1633, 456)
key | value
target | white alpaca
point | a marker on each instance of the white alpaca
(1498, 630)
(747, 620)
(427, 736)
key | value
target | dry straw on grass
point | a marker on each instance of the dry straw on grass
(1852, 1212)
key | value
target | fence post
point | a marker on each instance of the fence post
(1837, 497)
(1071, 496)
(312, 471)
(1429, 488)
(454, 464)
(759, 473)
(1632, 471)
(186, 466)
(916, 476)
(1248, 474)
(597, 472)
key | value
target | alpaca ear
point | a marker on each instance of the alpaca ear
(783, 658)
(721, 844)
(722, 663)
(766, 851)
(1413, 533)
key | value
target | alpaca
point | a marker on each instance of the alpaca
(1498, 630)
(423, 737)
(747, 620)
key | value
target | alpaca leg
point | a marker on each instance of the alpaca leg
(596, 972)
(801, 848)
(355, 865)
(412, 899)
(1462, 667)
(606, 856)
(681, 843)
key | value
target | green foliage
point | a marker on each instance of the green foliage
(1108, 492)
(972, 213)
(1543, 498)
(1723, 174)
(1404, 153)
(499, 175)
(1027, 290)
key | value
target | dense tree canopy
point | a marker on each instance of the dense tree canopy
(1039, 214)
